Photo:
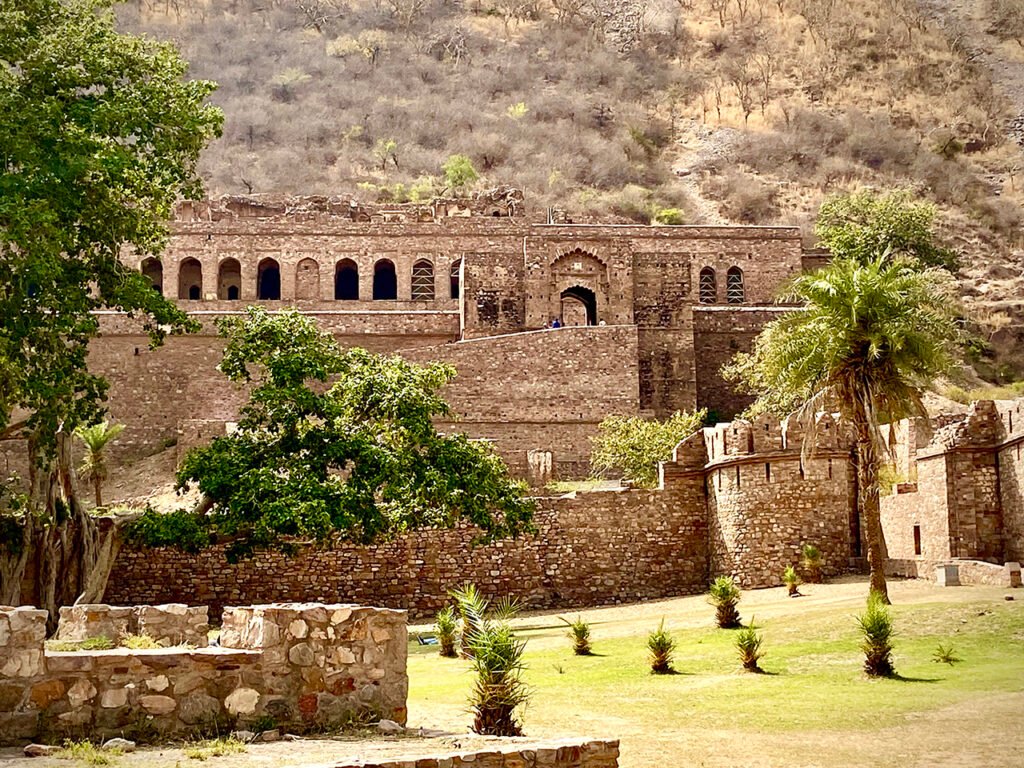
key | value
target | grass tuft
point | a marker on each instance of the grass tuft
(204, 750)
(87, 752)
(945, 655)
(89, 644)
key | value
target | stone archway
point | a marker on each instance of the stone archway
(579, 306)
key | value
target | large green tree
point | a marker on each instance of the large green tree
(334, 443)
(869, 337)
(866, 224)
(100, 133)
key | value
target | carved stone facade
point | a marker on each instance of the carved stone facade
(470, 282)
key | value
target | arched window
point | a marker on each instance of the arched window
(307, 280)
(268, 280)
(456, 272)
(708, 288)
(423, 281)
(154, 271)
(346, 280)
(190, 279)
(385, 283)
(734, 285)
(229, 280)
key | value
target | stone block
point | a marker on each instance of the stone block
(947, 575)
(1013, 574)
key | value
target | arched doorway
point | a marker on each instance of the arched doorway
(268, 280)
(579, 306)
(385, 282)
(229, 280)
(190, 280)
(153, 270)
(307, 280)
(346, 280)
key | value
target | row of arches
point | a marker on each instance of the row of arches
(307, 280)
(707, 288)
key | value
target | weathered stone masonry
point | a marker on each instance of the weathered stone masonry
(302, 666)
(405, 277)
(590, 549)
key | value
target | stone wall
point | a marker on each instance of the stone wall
(566, 753)
(590, 549)
(301, 666)
(540, 389)
(167, 625)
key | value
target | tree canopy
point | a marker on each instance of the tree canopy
(337, 443)
(866, 340)
(633, 446)
(100, 134)
(865, 225)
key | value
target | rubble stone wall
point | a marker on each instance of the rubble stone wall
(568, 753)
(300, 666)
(167, 625)
(590, 549)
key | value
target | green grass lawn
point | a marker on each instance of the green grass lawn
(813, 682)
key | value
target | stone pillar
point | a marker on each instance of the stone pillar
(947, 575)
(539, 468)
(325, 663)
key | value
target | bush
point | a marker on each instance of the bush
(812, 564)
(447, 629)
(945, 655)
(459, 171)
(139, 643)
(725, 595)
(792, 581)
(472, 607)
(876, 627)
(633, 446)
(579, 631)
(748, 645)
(669, 216)
(499, 688)
(661, 647)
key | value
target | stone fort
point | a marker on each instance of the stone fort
(648, 314)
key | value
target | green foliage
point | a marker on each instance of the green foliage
(633, 446)
(669, 216)
(812, 562)
(944, 655)
(725, 595)
(87, 752)
(579, 632)
(876, 627)
(184, 530)
(498, 689)
(139, 642)
(792, 580)
(447, 628)
(100, 134)
(94, 439)
(459, 171)
(748, 646)
(341, 443)
(506, 608)
(99, 643)
(661, 647)
(204, 750)
(472, 608)
(518, 110)
(865, 226)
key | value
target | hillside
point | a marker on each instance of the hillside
(746, 111)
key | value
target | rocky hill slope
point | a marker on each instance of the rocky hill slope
(745, 111)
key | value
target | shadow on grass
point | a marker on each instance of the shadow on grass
(900, 678)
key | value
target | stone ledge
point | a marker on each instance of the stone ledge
(506, 753)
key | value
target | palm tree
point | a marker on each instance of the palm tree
(94, 463)
(869, 338)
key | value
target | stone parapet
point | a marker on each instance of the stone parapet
(301, 667)
(167, 625)
(566, 753)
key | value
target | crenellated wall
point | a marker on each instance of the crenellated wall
(959, 491)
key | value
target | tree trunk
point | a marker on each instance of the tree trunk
(868, 496)
(64, 555)
(97, 486)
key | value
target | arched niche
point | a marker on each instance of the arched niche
(153, 271)
(268, 280)
(423, 281)
(385, 281)
(190, 279)
(346, 280)
(229, 280)
(307, 280)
